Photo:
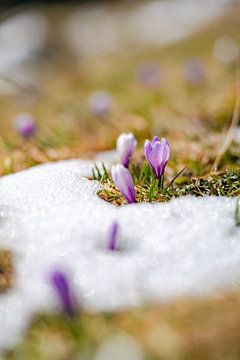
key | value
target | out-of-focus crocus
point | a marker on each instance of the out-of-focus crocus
(112, 236)
(25, 125)
(149, 75)
(100, 103)
(126, 144)
(157, 154)
(124, 182)
(61, 285)
(194, 71)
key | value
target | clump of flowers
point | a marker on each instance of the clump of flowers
(157, 153)
(61, 284)
(25, 125)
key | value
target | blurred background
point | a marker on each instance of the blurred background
(84, 71)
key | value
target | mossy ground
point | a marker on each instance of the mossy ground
(195, 120)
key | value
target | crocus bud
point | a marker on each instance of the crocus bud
(157, 154)
(62, 287)
(124, 182)
(25, 125)
(126, 144)
(112, 236)
(100, 103)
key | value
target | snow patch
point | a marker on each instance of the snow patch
(50, 216)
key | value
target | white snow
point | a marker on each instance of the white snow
(51, 216)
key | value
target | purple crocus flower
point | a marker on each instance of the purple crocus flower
(25, 125)
(124, 182)
(126, 144)
(157, 154)
(61, 285)
(194, 71)
(149, 75)
(100, 103)
(112, 237)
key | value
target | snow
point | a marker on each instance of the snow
(51, 216)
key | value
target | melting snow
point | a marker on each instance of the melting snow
(50, 215)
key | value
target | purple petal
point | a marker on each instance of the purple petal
(166, 150)
(157, 154)
(112, 236)
(126, 144)
(124, 182)
(147, 148)
(61, 285)
(155, 139)
(158, 158)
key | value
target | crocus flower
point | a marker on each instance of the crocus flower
(126, 144)
(100, 103)
(112, 236)
(124, 182)
(61, 285)
(149, 75)
(194, 71)
(157, 154)
(25, 125)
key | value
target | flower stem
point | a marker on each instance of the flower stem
(160, 182)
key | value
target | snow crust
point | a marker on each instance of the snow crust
(51, 216)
